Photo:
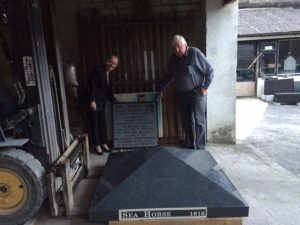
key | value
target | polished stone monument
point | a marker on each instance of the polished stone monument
(164, 183)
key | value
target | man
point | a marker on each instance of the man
(192, 74)
(100, 90)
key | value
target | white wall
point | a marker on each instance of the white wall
(245, 89)
(260, 87)
(221, 51)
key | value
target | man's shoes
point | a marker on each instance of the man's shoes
(187, 146)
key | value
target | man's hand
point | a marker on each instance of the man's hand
(203, 90)
(93, 105)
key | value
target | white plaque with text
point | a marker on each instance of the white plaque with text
(135, 125)
(162, 213)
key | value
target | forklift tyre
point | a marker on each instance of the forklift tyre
(22, 186)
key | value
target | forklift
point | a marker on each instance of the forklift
(39, 158)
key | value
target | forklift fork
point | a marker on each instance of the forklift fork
(65, 175)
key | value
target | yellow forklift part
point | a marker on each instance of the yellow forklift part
(13, 192)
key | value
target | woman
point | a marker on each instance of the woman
(100, 88)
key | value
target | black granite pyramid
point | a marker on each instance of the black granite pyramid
(164, 183)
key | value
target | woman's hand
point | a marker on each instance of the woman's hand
(93, 105)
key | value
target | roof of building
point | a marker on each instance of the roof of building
(268, 21)
(268, 3)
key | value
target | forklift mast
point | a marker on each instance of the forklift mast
(37, 153)
(36, 68)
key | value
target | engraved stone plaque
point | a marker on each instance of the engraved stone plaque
(135, 125)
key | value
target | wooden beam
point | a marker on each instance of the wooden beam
(214, 221)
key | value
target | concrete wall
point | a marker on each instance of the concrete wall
(221, 51)
(67, 29)
(245, 89)
(260, 87)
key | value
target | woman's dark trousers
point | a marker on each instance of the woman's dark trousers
(98, 126)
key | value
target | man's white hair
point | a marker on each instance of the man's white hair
(178, 39)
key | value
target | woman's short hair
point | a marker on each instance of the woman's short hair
(113, 57)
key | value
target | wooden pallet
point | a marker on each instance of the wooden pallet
(215, 221)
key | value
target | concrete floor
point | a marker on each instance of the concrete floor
(263, 165)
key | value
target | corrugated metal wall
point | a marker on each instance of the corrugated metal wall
(143, 46)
